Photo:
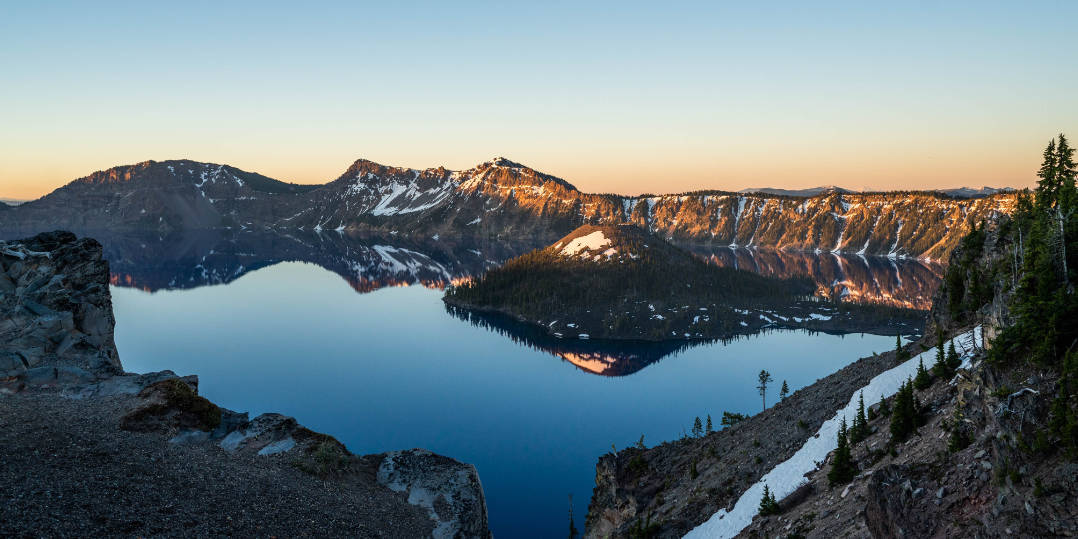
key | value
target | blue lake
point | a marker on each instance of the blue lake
(392, 369)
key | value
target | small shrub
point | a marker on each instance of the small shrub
(637, 465)
(644, 529)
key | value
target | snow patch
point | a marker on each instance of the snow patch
(591, 242)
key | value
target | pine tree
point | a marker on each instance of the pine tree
(768, 504)
(697, 427)
(859, 431)
(709, 428)
(1064, 167)
(732, 418)
(843, 469)
(953, 361)
(901, 355)
(784, 391)
(940, 368)
(904, 415)
(1048, 174)
(885, 410)
(765, 378)
(923, 380)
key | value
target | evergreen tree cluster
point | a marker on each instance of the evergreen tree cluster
(1043, 240)
(906, 416)
(946, 363)
(768, 504)
(922, 380)
(732, 418)
(859, 431)
(843, 468)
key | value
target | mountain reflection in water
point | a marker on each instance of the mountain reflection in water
(895, 282)
(199, 258)
(605, 358)
(596, 356)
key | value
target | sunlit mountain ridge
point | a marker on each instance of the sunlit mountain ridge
(499, 198)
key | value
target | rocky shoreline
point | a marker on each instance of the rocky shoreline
(92, 450)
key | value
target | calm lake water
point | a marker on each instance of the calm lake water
(390, 368)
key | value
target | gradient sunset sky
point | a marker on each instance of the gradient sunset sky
(615, 97)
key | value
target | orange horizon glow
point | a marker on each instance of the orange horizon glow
(1010, 166)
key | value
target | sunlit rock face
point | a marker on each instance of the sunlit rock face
(498, 198)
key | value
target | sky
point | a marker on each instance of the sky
(621, 97)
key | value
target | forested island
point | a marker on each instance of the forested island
(622, 282)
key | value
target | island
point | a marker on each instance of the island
(621, 282)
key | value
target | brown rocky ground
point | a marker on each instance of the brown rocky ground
(70, 470)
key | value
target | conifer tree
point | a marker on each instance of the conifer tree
(859, 431)
(842, 468)
(923, 380)
(709, 427)
(953, 361)
(764, 378)
(768, 504)
(885, 410)
(940, 368)
(1048, 184)
(697, 428)
(1065, 169)
(900, 354)
(731, 418)
(784, 391)
(904, 415)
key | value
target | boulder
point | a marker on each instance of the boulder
(449, 490)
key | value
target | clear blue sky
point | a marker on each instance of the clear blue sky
(624, 96)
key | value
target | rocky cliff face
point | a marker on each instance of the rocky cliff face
(56, 317)
(61, 379)
(501, 197)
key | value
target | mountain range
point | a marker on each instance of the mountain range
(498, 198)
(960, 192)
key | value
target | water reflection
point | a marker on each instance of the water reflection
(198, 258)
(907, 283)
(605, 358)
(624, 357)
